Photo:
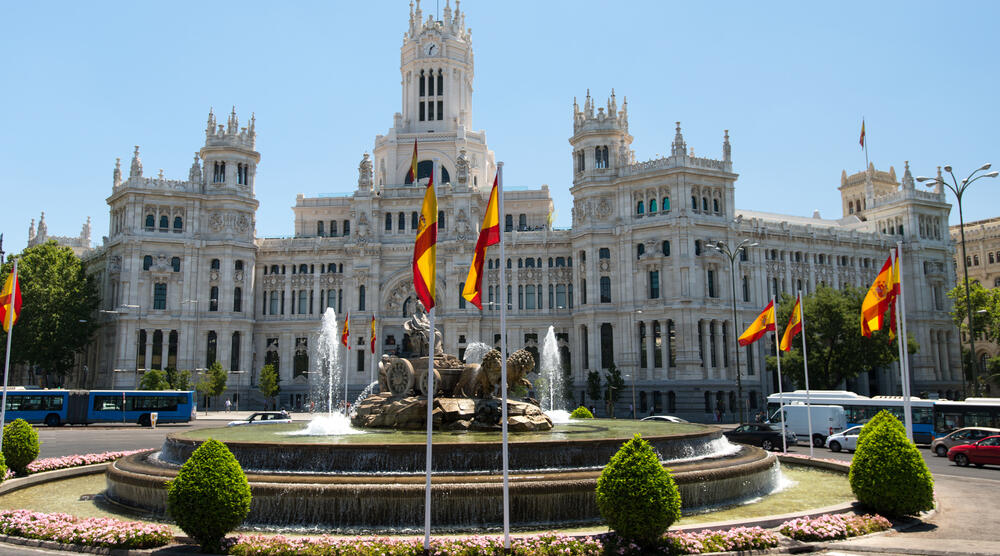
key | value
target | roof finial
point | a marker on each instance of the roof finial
(727, 149)
(678, 146)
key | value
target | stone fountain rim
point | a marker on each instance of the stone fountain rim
(707, 431)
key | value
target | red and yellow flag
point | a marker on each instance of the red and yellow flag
(411, 176)
(489, 234)
(794, 325)
(862, 133)
(425, 249)
(880, 295)
(10, 300)
(762, 324)
(373, 333)
(345, 335)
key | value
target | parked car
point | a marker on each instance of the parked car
(263, 418)
(846, 440)
(667, 418)
(983, 452)
(968, 435)
(765, 435)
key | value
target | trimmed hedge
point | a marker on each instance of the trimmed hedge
(20, 446)
(210, 495)
(581, 413)
(636, 496)
(888, 473)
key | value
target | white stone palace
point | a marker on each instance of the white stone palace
(185, 281)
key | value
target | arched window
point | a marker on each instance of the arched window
(550, 262)
(520, 263)
(640, 250)
(178, 224)
(216, 264)
(694, 203)
(704, 204)
(274, 269)
(605, 289)
(639, 208)
(150, 221)
(604, 253)
(238, 265)
(164, 221)
(319, 228)
(414, 221)
(508, 262)
(652, 205)
(401, 222)
(234, 353)
(303, 302)
(665, 204)
(238, 300)
(147, 262)
(175, 264)
(489, 264)
(361, 298)
(213, 298)
(303, 269)
(508, 221)
(333, 228)
(347, 228)
(440, 219)
(210, 350)
(388, 221)
(715, 205)
(461, 298)
(665, 247)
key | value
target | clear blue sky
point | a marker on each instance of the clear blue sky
(84, 82)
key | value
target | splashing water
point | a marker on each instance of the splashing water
(558, 416)
(475, 352)
(364, 395)
(328, 425)
(551, 369)
(327, 376)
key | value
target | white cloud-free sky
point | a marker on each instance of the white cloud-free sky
(81, 83)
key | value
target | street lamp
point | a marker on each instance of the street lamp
(959, 190)
(732, 254)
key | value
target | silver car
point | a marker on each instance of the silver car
(263, 418)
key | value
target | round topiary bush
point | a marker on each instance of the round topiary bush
(581, 413)
(636, 496)
(210, 495)
(20, 445)
(883, 416)
(3, 469)
(887, 473)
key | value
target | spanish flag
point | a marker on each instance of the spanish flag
(373, 333)
(10, 300)
(762, 324)
(345, 335)
(862, 133)
(411, 176)
(880, 295)
(794, 325)
(489, 234)
(425, 249)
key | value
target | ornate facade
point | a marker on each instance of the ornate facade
(634, 282)
(982, 250)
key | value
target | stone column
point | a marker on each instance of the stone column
(650, 349)
(149, 350)
(706, 348)
(720, 356)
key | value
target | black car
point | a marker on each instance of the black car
(764, 435)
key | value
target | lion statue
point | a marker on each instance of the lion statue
(481, 381)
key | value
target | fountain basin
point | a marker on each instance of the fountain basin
(356, 486)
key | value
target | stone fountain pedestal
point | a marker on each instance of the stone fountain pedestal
(450, 414)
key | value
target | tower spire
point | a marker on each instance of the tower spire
(678, 146)
(136, 170)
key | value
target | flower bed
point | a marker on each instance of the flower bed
(95, 531)
(741, 538)
(831, 527)
(51, 464)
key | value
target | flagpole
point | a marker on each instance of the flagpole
(371, 374)
(503, 366)
(431, 341)
(347, 359)
(6, 366)
(805, 367)
(865, 144)
(904, 360)
(781, 388)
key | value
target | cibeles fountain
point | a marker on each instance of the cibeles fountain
(375, 480)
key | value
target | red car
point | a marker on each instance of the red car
(984, 452)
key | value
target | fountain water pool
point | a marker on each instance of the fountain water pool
(376, 480)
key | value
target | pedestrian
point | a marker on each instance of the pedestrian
(229, 404)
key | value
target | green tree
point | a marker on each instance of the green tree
(154, 379)
(837, 351)
(214, 382)
(179, 380)
(986, 320)
(59, 300)
(613, 385)
(594, 391)
(268, 382)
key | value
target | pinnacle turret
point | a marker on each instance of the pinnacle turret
(727, 149)
(116, 176)
(230, 134)
(678, 147)
(136, 170)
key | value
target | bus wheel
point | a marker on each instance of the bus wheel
(52, 420)
(144, 421)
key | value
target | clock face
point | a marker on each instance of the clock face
(431, 49)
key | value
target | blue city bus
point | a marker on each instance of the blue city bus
(973, 412)
(83, 407)
(860, 409)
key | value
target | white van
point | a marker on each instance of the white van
(826, 420)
